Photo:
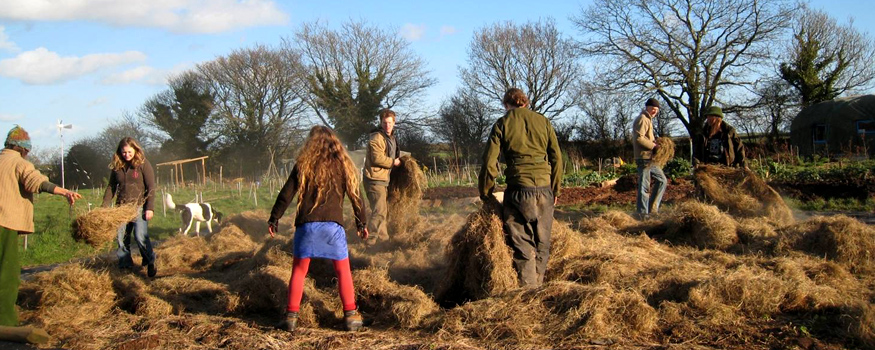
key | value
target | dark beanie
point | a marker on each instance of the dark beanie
(652, 102)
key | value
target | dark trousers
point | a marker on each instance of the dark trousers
(528, 221)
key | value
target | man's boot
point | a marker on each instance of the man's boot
(290, 322)
(352, 320)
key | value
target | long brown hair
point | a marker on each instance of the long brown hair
(320, 156)
(118, 161)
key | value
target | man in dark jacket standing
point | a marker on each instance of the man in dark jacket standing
(718, 143)
(534, 172)
(383, 155)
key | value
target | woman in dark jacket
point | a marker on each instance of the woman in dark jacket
(322, 176)
(132, 181)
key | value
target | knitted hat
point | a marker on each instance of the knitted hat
(18, 137)
(715, 111)
(652, 102)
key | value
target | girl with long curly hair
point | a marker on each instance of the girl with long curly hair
(322, 175)
(132, 181)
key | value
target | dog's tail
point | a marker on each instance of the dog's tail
(168, 200)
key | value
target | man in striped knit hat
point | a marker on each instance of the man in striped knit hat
(19, 180)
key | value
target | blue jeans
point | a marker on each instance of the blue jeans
(141, 234)
(646, 203)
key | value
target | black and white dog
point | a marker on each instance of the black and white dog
(196, 213)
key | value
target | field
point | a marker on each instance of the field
(698, 276)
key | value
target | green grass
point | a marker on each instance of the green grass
(52, 240)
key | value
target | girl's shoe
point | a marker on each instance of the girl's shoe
(352, 320)
(290, 322)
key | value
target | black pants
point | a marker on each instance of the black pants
(528, 220)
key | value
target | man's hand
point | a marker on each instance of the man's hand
(363, 233)
(149, 214)
(72, 197)
(397, 162)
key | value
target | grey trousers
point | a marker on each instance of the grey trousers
(379, 206)
(528, 221)
(644, 201)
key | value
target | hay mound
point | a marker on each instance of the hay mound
(389, 303)
(182, 253)
(556, 310)
(700, 225)
(480, 262)
(406, 184)
(664, 153)
(69, 296)
(838, 238)
(741, 192)
(101, 225)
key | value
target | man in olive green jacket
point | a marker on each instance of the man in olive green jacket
(534, 173)
(383, 154)
(19, 180)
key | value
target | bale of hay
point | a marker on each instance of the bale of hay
(480, 262)
(700, 225)
(389, 303)
(664, 153)
(101, 225)
(231, 239)
(741, 192)
(838, 238)
(406, 184)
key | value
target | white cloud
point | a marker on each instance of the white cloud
(42, 66)
(145, 74)
(182, 16)
(412, 32)
(5, 43)
(448, 30)
(10, 117)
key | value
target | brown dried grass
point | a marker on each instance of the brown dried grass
(406, 184)
(838, 238)
(742, 193)
(479, 260)
(700, 225)
(389, 303)
(99, 226)
(664, 153)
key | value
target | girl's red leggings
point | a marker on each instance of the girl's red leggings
(344, 283)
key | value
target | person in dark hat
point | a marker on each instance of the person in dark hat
(19, 180)
(644, 145)
(718, 143)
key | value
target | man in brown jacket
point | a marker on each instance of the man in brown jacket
(644, 145)
(19, 180)
(718, 143)
(383, 154)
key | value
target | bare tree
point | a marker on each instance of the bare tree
(355, 71)
(534, 57)
(181, 113)
(827, 59)
(689, 52)
(259, 105)
(464, 121)
(607, 114)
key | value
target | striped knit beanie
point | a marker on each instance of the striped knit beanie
(18, 137)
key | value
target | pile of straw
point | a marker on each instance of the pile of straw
(664, 153)
(406, 185)
(741, 192)
(838, 238)
(101, 225)
(480, 261)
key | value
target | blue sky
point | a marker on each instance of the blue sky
(88, 62)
